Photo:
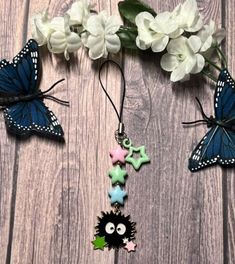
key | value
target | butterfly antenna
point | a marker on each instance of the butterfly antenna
(57, 100)
(202, 111)
(53, 86)
(50, 97)
(194, 122)
(205, 120)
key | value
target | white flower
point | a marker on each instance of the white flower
(102, 38)
(41, 28)
(183, 58)
(187, 16)
(210, 36)
(155, 32)
(79, 12)
(62, 40)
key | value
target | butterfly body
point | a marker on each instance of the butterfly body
(218, 145)
(5, 101)
(24, 110)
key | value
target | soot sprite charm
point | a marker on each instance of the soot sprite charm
(116, 231)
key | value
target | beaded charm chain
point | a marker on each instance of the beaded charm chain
(114, 229)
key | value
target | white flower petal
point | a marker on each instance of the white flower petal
(79, 12)
(143, 20)
(57, 42)
(200, 63)
(169, 62)
(66, 54)
(147, 36)
(84, 37)
(41, 28)
(197, 25)
(113, 43)
(57, 24)
(194, 43)
(219, 35)
(164, 24)
(176, 33)
(159, 44)
(142, 44)
(177, 46)
(112, 25)
(207, 44)
(179, 73)
(190, 63)
(94, 25)
(96, 47)
(187, 16)
(73, 42)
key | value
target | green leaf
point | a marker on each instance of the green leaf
(129, 9)
(128, 36)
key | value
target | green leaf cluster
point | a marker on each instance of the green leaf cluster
(129, 9)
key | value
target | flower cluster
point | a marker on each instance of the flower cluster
(79, 27)
(186, 42)
(183, 35)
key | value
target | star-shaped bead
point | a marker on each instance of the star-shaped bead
(130, 246)
(99, 243)
(137, 163)
(118, 155)
(117, 195)
(118, 175)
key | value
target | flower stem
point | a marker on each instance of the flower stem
(213, 64)
(209, 75)
(221, 54)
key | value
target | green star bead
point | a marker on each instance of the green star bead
(137, 163)
(118, 175)
(99, 243)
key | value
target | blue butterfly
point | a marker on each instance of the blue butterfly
(24, 110)
(218, 145)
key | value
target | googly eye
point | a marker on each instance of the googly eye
(121, 229)
(109, 228)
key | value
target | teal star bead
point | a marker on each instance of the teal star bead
(117, 195)
(118, 175)
(137, 163)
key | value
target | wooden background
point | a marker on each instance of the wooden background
(50, 194)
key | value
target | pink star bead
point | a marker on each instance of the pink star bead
(118, 154)
(130, 246)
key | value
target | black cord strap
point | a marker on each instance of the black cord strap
(120, 114)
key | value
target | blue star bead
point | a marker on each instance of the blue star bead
(117, 195)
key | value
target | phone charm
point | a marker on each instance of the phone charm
(114, 229)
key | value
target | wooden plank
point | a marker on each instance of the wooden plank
(12, 37)
(178, 214)
(62, 188)
(229, 175)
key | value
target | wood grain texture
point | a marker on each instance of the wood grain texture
(229, 175)
(12, 37)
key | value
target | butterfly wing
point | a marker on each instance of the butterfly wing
(25, 118)
(218, 145)
(224, 98)
(207, 151)
(20, 77)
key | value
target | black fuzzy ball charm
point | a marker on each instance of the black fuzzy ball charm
(114, 230)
